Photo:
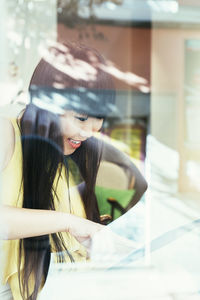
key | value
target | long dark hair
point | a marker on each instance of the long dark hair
(43, 158)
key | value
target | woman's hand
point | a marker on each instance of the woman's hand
(82, 229)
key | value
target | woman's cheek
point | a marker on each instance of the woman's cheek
(70, 129)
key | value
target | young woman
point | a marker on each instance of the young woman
(42, 209)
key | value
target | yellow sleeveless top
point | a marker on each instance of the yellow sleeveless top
(12, 195)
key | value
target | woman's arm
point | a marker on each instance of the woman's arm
(18, 223)
(112, 154)
(115, 156)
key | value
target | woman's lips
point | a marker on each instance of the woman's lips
(74, 143)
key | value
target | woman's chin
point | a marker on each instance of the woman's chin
(69, 151)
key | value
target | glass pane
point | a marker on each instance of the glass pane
(99, 100)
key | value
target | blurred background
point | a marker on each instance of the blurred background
(153, 51)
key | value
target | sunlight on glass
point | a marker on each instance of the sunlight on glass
(128, 77)
(166, 6)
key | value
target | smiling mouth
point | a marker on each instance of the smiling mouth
(74, 143)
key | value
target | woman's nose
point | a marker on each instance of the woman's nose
(85, 133)
(87, 130)
(91, 126)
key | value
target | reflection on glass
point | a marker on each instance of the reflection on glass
(80, 133)
(50, 141)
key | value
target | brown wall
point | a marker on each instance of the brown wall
(126, 47)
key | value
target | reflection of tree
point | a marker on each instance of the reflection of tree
(32, 22)
(72, 9)
(78, 69)
(29, 23)
(70, 13)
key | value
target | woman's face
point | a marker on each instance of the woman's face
(77, 128)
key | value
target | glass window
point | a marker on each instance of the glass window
(99, 153)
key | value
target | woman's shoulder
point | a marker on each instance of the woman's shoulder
(7, 138)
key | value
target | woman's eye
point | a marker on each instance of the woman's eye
(81, 118)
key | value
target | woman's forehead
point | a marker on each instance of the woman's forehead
(81, 113)
(96, 103)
